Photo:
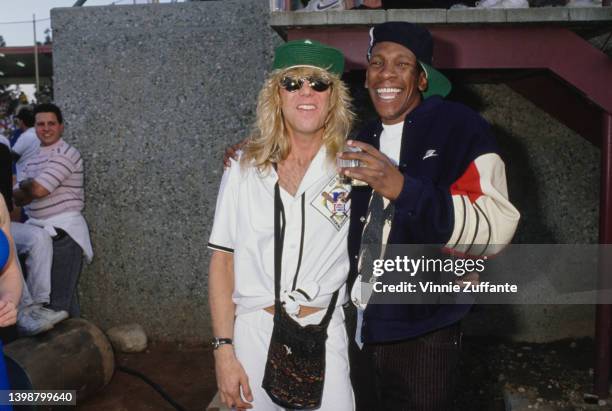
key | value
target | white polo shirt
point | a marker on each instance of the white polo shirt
(26, 146)
(244, 225)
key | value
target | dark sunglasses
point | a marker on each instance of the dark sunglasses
(292, 84)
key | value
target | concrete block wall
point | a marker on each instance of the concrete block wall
(553, 179)
(152, 95)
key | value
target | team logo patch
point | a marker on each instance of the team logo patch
(334, 202)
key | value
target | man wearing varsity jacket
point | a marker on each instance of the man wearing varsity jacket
(434, 169)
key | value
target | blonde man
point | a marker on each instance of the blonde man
(303, 117)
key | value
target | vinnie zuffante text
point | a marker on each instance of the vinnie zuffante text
(413, 266)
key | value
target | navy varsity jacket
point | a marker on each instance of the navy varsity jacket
(454, 194)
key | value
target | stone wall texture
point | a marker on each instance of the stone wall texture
(553, 179)
(152, 95)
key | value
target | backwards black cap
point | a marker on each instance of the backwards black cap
(418, 40)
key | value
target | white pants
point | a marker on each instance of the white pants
(252, 333)
(38, 245)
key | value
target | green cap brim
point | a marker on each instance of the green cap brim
(298, 53)
(437, 83)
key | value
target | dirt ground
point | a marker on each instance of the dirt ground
(552, 376)
(184, 372)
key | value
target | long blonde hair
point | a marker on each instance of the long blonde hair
(269, 142)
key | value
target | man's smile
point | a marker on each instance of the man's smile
(388, 93)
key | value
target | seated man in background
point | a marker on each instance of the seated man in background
(30, 240)
(51, 189)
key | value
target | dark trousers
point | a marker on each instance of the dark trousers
(65, 272)
(418, 374)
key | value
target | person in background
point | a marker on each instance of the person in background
(26, 145)
(6, 175)
(52, 193)
(10, 275)
(10, 288)
(32, 242)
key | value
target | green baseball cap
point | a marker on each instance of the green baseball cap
(301, 53)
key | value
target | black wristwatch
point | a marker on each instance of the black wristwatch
(217, 342)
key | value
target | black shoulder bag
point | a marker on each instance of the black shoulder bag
(295, 368)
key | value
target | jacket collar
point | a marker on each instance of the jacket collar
(420, 112)
(424, 109)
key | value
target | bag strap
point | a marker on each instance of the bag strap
(279, 238)
(330, 309)
(301, 241)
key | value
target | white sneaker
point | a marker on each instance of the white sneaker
(51, 315)
(324, 5)
(38, 319)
